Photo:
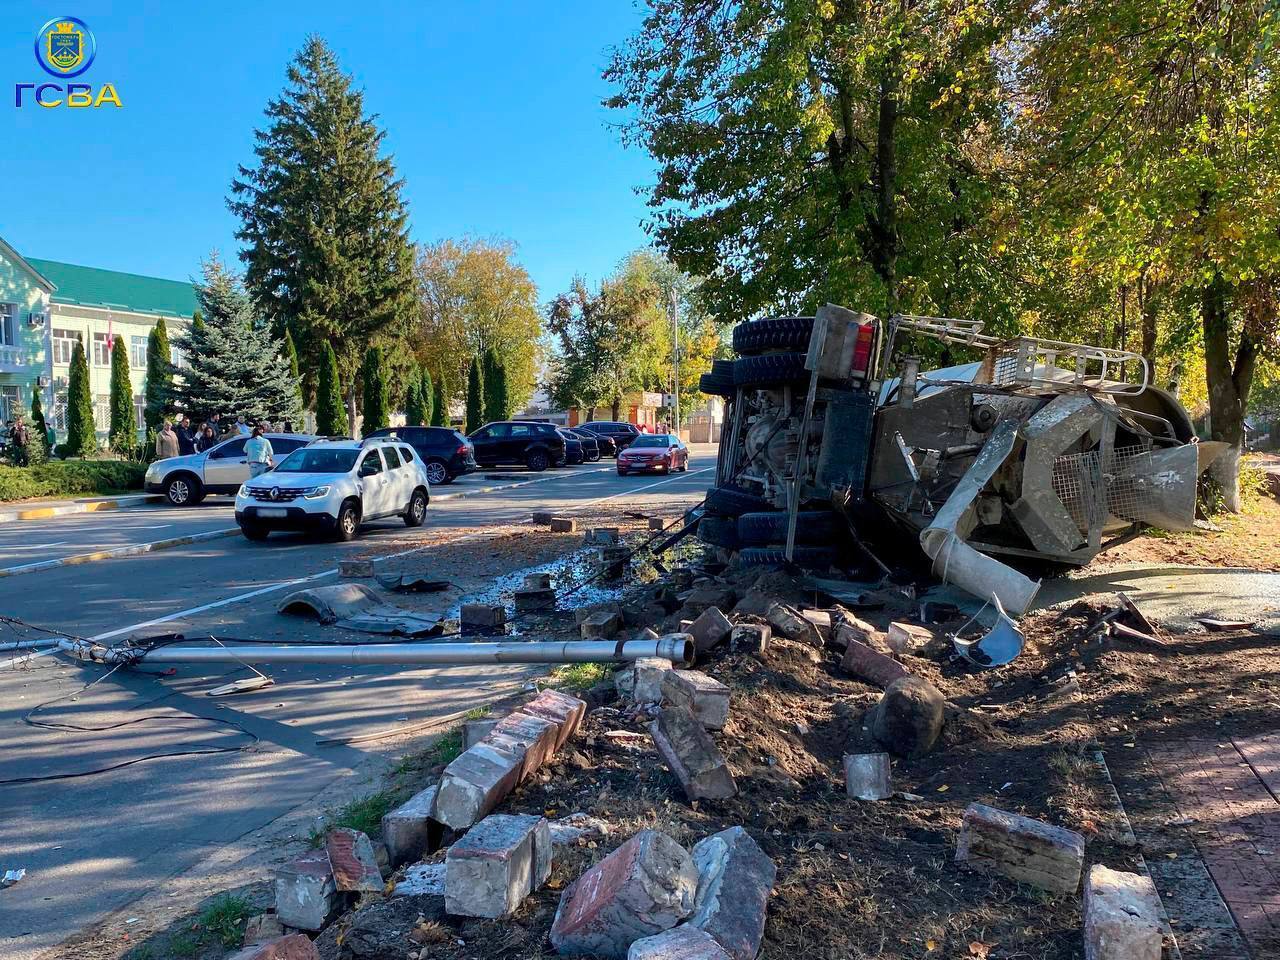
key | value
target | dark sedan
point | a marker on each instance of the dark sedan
(593, 447)
(573, 450)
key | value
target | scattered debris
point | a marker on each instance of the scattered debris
(909, 638)
(710, 629)
(907, 720)
(602, 537)
(498, 863)
(1026, 850)
(358, 569)
(305, 891)
(352, 861)
(735, 880)
(692, 755)
(407, 583)
(244, 685)
(353, 606)
(866, 776)
(998, 646)
(482, 619)
(11, 877)
(1121, 916)
(703, 696)
(876, 668)
(295, 946)
(751, 638)
(788, 622)
(657, 524)
(601, 625)
(563, 525)
(575, 827)
(1225, 626)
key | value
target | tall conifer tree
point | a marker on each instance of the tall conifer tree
(375, 391)
(82, 439)
(158, 390)
(123, 435)
(475, 396)
(331, 416)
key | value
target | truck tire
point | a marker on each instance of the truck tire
(718, 531)
(812, 527)
(813, 558)
(770, 370)
(719, 382)
(729, 502)
(772, 333)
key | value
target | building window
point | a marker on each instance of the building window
(175, 357)
(10, 402)
(101, 350)
(58, 419)
(64, 344)
(8, 328)
(137, 351)
(102, 412)
(139, 412)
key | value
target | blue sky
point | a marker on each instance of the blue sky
(492, 111)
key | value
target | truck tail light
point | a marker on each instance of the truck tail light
(862, 348)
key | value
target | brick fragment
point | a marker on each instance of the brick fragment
(352, 861)
(563, 525)
(538, 735)
(751, 638)
(542, 518)
(641, 680)
(692, 755)
(861, 661)
(703, 696)
(1026, 850)
(482, 617)
(296, 946)
(657, 523)
(473, 731)
(1121, 916)
(408, 831)
(601, 625)
(710, 630)
(682, 943)
(866, 776)
(476, 782)
(305, 891)
(735, 880)
(561, 709)
(644, 887)
(498, 863)
(788, 622)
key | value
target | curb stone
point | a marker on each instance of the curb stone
(131, 550)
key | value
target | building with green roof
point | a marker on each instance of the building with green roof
(56, 304)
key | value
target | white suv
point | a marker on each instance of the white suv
(334, 487)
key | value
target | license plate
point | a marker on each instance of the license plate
(272, 512)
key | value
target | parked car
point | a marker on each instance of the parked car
(653, 451)
(622, 434)
(593, 447)
(186, 480)
(536, 445)
(574, 452)
(446, 453)
(335, 487)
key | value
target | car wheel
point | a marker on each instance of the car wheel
(183, 490)
(416, 512)
(348, 522)
(596, 457)
(438, 473)
(622, 472)
(252, 531)
(537, 461)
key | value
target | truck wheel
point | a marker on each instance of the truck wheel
(718, 531)
(812, 558)
(772, 333)
(812, 526)
(719, 382)
(770, 370)
(729, 502)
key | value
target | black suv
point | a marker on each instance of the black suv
(622, 434)
(536, 445)
(446, 454)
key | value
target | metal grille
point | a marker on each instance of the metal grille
(1090, 489)
(1077, 480)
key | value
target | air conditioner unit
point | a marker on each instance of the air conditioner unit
(43, 380)
(37, 318)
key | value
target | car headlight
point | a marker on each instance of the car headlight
(243, 491)
(318, 493)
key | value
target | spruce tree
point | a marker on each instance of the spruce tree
(502, 392)
(427, 394)
(123, 435)
(491, 376)
(234, 366)
(440, 403)
(197, 320)
(82, 441)
(291, 354)
(374, 392)
(413, 401)
(475, 397)
(331, 415)
(322, 220)
(158, 390)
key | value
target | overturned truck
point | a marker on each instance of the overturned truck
(1037, 450)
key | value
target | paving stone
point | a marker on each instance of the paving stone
(821, 620)
(530, 599)
(601, 625)
(703, 696)
(751, 638)
(787, 622)
(261, 928)
(538, 735)
(908, 718)
(1121, 916)
(473, 731)
(305, 891)
(644, 887)
(563, 525)
(641, 680)
(355, 568)
(296, 946)
(561, 709)
(711, 629)
(421, 879)
(408, 831)
(352, 861)
(692, 755)
(602, 536)
(682, 943)
(499, 862)
(482, 617)
(735, 879)
(866, 776)
(877, 668)
(542, 518)
(1026, 850)
(657, 523)
(537, 581)
(476, 782)
(909, 638)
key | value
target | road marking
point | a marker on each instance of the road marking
(286, 584)
(129, 550)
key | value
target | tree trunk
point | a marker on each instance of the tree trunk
(615, 408)
(591, 414)
(351, 412)
(1228, 384)
(884, 226)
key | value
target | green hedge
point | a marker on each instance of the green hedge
(70, 478)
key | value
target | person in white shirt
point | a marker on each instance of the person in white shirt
(242, 428)
(259, 453)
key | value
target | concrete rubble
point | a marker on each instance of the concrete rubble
(692, 755)
(499, 862)
(735, 880)
(907, 721)
(788, 622)
(352, 861)
(909, 638)
(538, 735)
(473, 731)
(710, 629)
(561, 709)
(601, 625)
(867, 777)
(563, 525)
(475, 782)
(751, 638)
(295, 946)
(482, 618)
(645, 887)
(682, 943)
(1121, 916)
(602, 537)
(421, 879)
(305, 892)
(862, 661)
(1022, 849)
(703, 696)
(641, 680)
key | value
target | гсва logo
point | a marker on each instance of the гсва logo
(65, 47)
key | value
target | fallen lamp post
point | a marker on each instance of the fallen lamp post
(677, 649)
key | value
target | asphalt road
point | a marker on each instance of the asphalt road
(93, 844)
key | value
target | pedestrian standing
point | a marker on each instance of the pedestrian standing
(20, 443)
(208, 438)
(186, 438)
(259, 453)
(242, 428)
(166, 441)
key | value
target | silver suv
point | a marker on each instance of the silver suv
(334, 486)
(186, 480)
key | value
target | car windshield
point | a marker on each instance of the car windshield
(652, 440)
(319, 460)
